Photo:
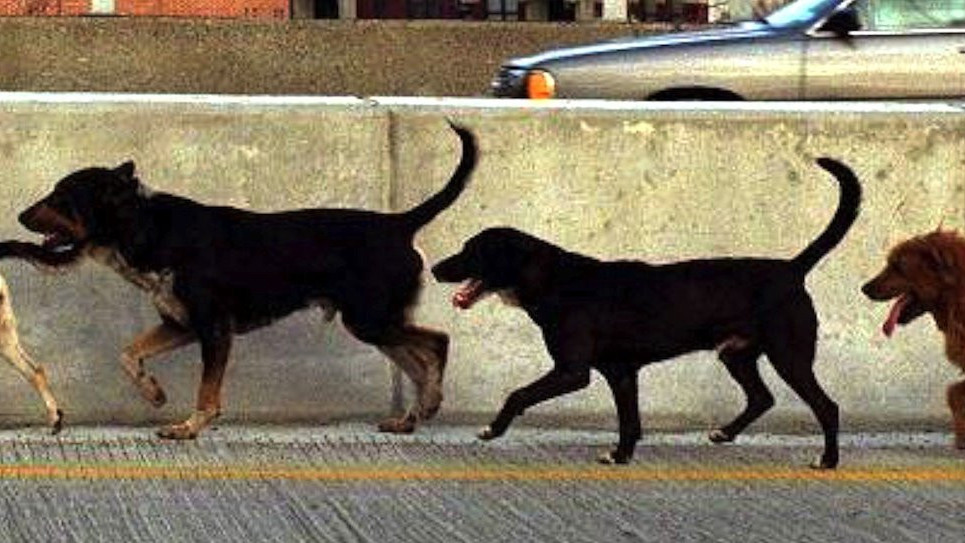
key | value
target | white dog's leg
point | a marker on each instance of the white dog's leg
(19, 358)
(34, 373)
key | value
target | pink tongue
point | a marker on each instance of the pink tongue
(467, 295)
(461, 300)
(892, 321)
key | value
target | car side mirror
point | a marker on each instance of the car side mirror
(842, 23)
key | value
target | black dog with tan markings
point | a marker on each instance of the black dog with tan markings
(619, 316)
(215, 271)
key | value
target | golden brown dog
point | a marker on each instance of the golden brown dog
(11, 350)
(926, 274)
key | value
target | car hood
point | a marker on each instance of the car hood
(739, 32)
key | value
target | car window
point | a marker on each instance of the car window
(892, 15)
(802, 12)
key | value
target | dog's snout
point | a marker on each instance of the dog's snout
(439, 270)
(874, 290)
(447, 270)
(27, 216)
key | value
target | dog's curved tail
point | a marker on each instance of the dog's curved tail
(421, 214)
(844, 217)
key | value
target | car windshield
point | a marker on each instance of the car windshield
(802, 12)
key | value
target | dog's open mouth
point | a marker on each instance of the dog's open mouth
(905, 309)
(62, 232)
(468, 294)
(57, 242)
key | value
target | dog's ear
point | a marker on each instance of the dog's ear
(126, 170)
(129, 183)
(120, 191)
(944, 259)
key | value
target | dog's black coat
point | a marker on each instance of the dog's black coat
(619, 316)
(234, 270)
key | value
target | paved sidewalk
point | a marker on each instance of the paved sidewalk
(347, 483)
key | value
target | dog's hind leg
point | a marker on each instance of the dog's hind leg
(160, 339)
(956, 402)
(420, 352)
(422, 356)
(805, 384)
(431, 349)
(790, 346)
(743, 367)
(409, 363)
(34, 373)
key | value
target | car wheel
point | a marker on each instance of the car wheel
(700, 94)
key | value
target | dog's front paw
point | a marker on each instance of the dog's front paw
(487, 433)
(616, 456)
(181, 430)
(824, 462)
(960, 442)
(720, 436)
(402, 425)
(57, 422)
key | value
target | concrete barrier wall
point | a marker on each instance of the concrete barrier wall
(655, 182)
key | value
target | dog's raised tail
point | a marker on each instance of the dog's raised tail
(421, 214)
(844, 216)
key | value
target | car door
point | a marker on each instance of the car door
(901, 49)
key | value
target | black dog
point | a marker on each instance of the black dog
(619, 316)
(217, 271)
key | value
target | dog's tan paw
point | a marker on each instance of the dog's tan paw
(181, 430)
(190, 428)
(720, 436)
(403, 425)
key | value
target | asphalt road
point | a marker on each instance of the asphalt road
(347, 483)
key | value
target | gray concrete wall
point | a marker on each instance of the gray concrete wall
(654, 182)
(333, 58)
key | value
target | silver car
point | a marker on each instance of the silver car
(807, 50)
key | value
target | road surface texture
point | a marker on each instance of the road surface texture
(345, 482)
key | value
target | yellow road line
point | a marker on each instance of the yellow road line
(472, 474)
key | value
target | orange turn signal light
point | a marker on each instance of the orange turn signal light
(540, 85)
